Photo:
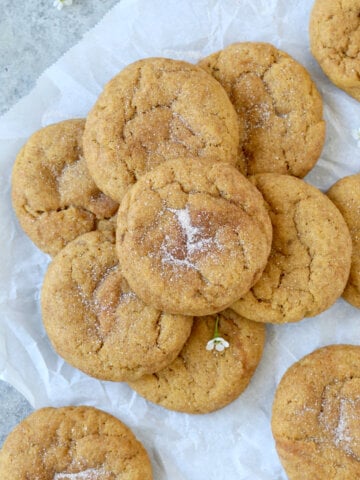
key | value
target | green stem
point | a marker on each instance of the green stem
(216, 332)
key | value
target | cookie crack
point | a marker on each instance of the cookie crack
(189, 129)
(158, 326)
(37, 214)
(247, 212)
(310, 254)
(132, 101)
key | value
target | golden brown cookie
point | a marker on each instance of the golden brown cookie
(201, 380)
(193, 236)
(346, 195)
(97, 323)
(157, 109)
(279, 104)
(316, 415)
(335, 42)
(53, 195)
(73, 443)
(310, 256)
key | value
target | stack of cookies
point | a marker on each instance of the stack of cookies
(179, 223)
(175, 218)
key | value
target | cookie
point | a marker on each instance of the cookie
(278, 103)
(53, 195)
(193, 235)
(202, 381)
(346, 195)
(157, 109)
(310, 256)
(316, 415)
(97, 323)
(73, 443)
(335, 42)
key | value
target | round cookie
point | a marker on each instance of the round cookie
(202, 381)
(192, 236)
(335, 42)
(279, 104)
(73, 443)
(346, 195)
(310, 257)
(97, 323)
(316, 415)
(53, 195)
(157, 109)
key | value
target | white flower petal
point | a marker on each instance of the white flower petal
(222, 341)
(218, 343)
(210, 345)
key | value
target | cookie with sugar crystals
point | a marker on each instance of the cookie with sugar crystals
(192, 236)
(335, 42)
(316, 415)
(201, 380)
(53, 195)
(346, 195)
(310, 256)
(73, 443)
(157, 109)
(97, 323)
(278, 103)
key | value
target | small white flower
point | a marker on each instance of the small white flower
(356, 135)
(59, 4)
(218, 343)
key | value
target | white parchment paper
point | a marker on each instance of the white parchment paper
(235, 442)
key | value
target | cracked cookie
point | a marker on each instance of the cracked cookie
(277, 102)
(310, 256)
(202, 381)
(73, 443)
(335, 42)
(53, 195)
(346, 195)
(193, 235)
(97, 323)
(157, 109)
(316, 415)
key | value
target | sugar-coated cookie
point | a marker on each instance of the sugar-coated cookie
(346, 195)
(278, 103)
(73, 443)
(201, 380)
(335, 42)
(192, 236)
(154, 110)
(310, 256)
(97, 323)
(53, 195)
(316, 415)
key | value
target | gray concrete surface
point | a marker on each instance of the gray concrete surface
(13, 409)
(33, 35)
